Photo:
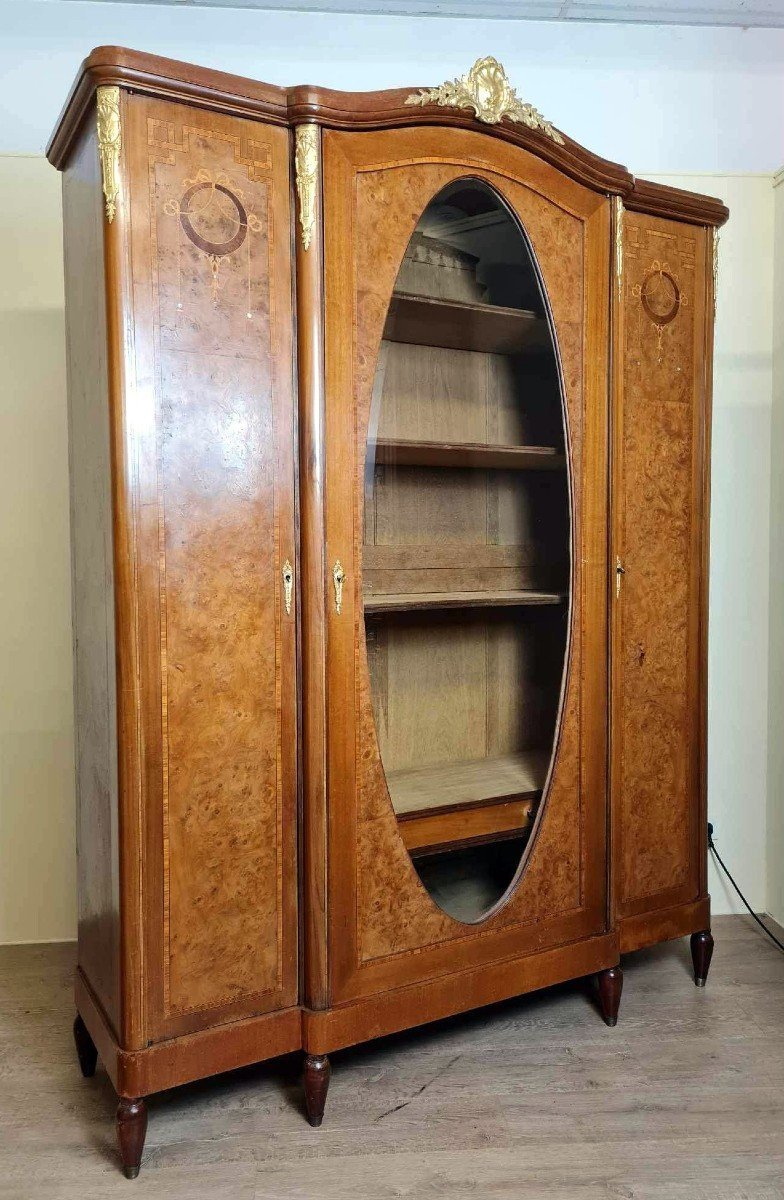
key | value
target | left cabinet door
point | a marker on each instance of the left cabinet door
(207, 435)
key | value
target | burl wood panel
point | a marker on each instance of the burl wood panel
(92, 576)
(659, 531)
(385, 929)
(211, 260)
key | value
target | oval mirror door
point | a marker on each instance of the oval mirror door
(467, 548)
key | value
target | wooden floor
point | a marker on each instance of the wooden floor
(534, 1098)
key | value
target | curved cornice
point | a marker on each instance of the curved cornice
(172, 80)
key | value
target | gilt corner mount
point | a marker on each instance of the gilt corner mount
(109, 142)
(487, 90)
(306, 165)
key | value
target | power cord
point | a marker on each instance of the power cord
(724, 868)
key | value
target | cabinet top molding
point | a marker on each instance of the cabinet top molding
(482, 100)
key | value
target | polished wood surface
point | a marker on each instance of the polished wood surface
(385, 929)
(314, 969)
(131, 1132)
(660, 525)
(468, 825)
(316, 1073)
(431, 1000)
(92, 575)
(178, 1060)
(684, 1099)
(610, 986)
(701, 954)
(663, 925)
(214, 524)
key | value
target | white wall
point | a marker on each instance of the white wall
(664, 100)
(775, 813)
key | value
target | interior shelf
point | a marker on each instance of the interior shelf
(404, 453)
(458, 325)
(409, 601)
(458, 785)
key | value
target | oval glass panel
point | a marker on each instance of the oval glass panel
(467, 548)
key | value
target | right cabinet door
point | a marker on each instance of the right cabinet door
(660, 435)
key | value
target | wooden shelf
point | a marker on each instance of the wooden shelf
(410, 601)
(403, 453)
(456, 325)
(483, 781)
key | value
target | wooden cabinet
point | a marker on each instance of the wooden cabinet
(389, 422)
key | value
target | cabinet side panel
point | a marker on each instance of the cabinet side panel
(92, 575)
(213, 348)
(659, 533)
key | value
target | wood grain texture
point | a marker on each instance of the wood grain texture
(92, 574)
(683, 1101)
(313, 572)
(399, 935)
(213, 443)
(659, 529)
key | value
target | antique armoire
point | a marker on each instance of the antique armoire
(389, 432)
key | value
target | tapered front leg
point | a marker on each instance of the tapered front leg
(85, 1048)
(701, 954)
(610, 988)
(316, 1083)
(131, 1132)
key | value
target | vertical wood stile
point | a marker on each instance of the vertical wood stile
(119, 308)
(310, 362)
(615, 533)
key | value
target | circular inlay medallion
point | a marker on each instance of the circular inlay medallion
(661, 297)
(189, 211)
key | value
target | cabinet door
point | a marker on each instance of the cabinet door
(660, 433)
(466, 302)
(209, 446)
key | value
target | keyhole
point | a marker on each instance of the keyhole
(640, 655)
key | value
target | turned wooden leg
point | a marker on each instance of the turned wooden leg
(131, 1131)
(701, 954)
(316, 1082)
(85, 1048)
(610, 988)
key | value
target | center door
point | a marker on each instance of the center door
(466, 300)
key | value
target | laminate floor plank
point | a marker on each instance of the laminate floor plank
(531, 1099)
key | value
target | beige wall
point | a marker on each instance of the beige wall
(37, 861)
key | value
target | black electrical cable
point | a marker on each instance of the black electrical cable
(721, 863)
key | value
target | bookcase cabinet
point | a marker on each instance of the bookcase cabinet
(389, 432)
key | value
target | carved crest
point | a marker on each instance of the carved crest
(489, 93)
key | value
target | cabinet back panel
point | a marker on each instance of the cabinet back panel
(213, 336)
(659, 529)
(448, 689)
